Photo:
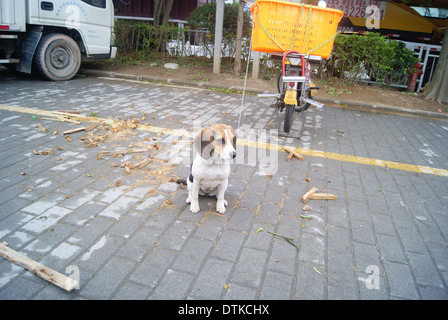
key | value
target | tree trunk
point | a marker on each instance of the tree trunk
(218, 36)
(438, 87)
(162, 9)
(239, 39)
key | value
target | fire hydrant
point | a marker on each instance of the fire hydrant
(413, 77)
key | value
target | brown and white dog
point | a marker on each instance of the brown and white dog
(210, 170)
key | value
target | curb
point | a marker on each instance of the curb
(382, 107)
(207, 85)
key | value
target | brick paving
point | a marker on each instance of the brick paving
(384, 238)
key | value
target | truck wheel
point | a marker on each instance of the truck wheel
(57, 57)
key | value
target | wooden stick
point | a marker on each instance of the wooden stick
(90, 138)
(141, 164)
(292, 150)
(182, 142)
(41, 127)
(308, 195)
(70, 111)
(38, 269)
(74, 130)
(290, 156)
(80, 117)
(125, 151)
(323, 196)
(62, 120)
(49, 152)
(91, 127)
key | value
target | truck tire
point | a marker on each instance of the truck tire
(57, 57)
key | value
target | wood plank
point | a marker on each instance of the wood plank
(74, 130)
(38, 269)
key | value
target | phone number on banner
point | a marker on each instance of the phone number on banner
(357, 8)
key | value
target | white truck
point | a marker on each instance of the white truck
(51, 37)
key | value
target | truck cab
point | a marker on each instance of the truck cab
(51, 37)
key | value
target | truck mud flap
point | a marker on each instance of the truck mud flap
(27, 48)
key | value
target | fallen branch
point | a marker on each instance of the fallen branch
(38, 269)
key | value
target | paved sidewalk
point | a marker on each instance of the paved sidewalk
(253, 90)
(384, 238)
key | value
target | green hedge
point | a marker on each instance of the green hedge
(383, 58)
(138, 38)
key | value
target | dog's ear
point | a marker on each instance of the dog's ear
(234, 135)
(234, 138)
(203, 142)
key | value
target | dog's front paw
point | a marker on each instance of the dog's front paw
(221, 206)
(194, 207)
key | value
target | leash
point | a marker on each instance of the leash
(245, 81)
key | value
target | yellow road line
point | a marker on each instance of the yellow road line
(349, 158)
(256, 144)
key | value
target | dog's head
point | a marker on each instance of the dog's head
(218, 140)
